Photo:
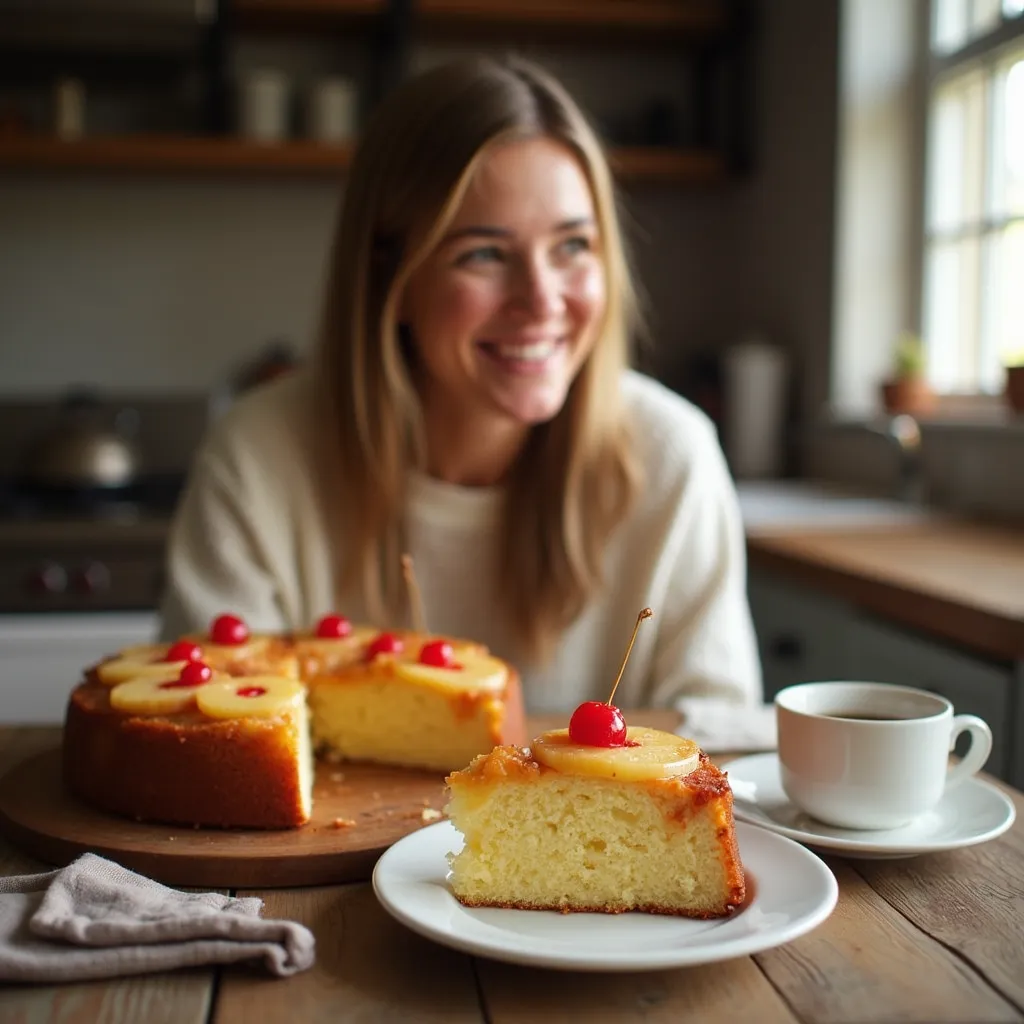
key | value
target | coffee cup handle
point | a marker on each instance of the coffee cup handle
(977, 754)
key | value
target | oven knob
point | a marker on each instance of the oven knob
(93, 579)
(49, 578)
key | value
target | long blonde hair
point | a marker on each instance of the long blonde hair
(576, 478)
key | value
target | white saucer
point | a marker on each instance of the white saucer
(789, 892)
(970, 813)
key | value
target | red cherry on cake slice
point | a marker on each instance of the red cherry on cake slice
(229, 631)
(600, 724)
(194, 673)
(596, 724)
(439, 654)
(184, 650)
(333, 627)
(384, 643)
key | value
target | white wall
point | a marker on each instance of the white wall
(142, 283)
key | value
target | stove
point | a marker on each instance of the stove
(81, 550)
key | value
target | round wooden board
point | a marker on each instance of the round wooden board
(42, 819)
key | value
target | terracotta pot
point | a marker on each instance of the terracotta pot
(908, 395)
(1015, 387)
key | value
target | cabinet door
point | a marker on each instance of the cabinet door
(886, 654)
(801, 634)
(42, 657)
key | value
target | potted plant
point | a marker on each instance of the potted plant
(907, 390)
(1014, 363)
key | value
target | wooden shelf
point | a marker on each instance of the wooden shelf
(676, 18)
(307, 14)
(671, 19)
(183, 154)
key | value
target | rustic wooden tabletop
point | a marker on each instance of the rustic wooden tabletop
(931, 938)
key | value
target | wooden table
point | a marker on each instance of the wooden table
(932, 938)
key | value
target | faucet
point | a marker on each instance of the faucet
(904, 434)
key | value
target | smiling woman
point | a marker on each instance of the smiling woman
(472, 405)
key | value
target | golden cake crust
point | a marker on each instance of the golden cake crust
(184, 768)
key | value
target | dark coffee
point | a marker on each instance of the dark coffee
(865, 716)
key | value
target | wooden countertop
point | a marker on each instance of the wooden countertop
(959, 581)
(931, 938)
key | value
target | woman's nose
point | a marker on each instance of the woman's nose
(539, 291)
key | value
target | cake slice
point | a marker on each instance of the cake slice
(644, 825)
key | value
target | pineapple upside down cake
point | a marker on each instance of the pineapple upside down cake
(221, 730)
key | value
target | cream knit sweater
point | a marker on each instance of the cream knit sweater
(251, 536)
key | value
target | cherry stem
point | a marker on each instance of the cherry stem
(419, 620)
(645, 614)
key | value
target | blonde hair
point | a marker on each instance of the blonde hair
(576, 478)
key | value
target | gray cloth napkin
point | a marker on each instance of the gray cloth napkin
(96, 919)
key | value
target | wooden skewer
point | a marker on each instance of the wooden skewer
(645, 614)
(419, 620)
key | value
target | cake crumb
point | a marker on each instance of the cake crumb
(337, 776)
(344, 822)
(430, 814)
(375, 795)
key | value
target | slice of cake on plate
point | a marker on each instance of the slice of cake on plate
(597, 817)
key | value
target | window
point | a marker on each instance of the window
(973, 300)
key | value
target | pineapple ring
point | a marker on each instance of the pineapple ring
(476, 672)
(153, 695)
(142, 661)
(250, 697)
(648, 754)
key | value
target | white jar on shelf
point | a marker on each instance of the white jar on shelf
(331, 113)
(264, 105)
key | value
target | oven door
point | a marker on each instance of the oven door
(42, 657)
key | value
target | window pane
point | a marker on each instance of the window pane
(949, 25)
(1013, 8)
(950, 314)
(1003, 303)
(956, 153)
(985, 16)
(1007, 192)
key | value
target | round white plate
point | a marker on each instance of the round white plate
(970, 813)
(789, 892)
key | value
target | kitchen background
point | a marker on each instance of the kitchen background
(152, 277)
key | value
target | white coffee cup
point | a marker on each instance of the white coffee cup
(871, 755)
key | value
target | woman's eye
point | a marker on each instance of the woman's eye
(574, 245)
(485, 254)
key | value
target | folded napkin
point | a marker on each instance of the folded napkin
(718, 726)
(96, 919)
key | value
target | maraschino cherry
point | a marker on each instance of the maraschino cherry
(229, 631)
(194, 673)
(333, 627)
(600, 724)
(384, 643)
(184, 650)
(439, 654)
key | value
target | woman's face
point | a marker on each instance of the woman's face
(505, 311)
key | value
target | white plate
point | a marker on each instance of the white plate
(789, 892)
(970, 813)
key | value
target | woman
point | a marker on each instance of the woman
(471, 405)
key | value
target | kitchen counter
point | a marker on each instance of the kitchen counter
(960, 581)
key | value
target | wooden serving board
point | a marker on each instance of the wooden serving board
(383, 804)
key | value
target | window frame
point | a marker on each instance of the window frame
(984, 53)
